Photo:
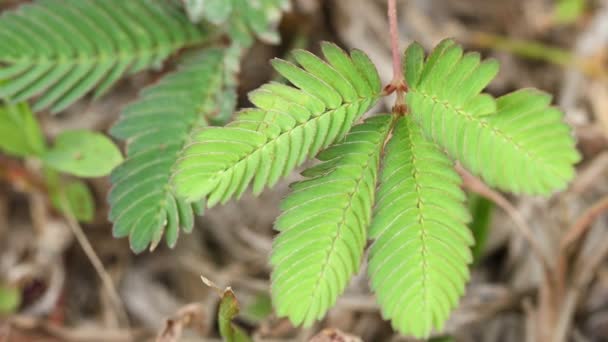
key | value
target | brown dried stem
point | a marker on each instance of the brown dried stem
(105, 277)
(581, 226)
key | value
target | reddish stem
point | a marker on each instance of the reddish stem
(394, 29)
(397, 84)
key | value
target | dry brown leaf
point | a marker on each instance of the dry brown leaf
(334, 335)
(189, 316)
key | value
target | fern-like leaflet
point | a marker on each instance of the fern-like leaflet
(324, 224)
(418, 261)
(289, 126)
(62, 49)
(157, 127)
(516, 143)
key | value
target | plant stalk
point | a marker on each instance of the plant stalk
(394, 30)
(397, 84)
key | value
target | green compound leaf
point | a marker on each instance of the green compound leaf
(20, 134)
(517, 143)
(157, 127)
(62, 49)
(324, 224)
(82, 153)
(418, 261)
(289, 126)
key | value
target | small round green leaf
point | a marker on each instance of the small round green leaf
(83, 153)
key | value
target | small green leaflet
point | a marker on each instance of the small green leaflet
(70, 196)
(10, 299)
(83, 153)
(19, 131)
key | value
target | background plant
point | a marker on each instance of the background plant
(56, 52)
(79, 153)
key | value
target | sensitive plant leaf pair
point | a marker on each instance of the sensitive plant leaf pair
(389, 179)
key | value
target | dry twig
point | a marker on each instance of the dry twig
(106, 280)
(91, 334)
(475, 185)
